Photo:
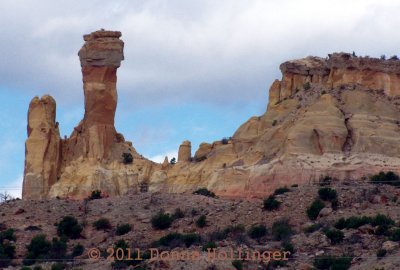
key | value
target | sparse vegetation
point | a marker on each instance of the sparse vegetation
(281, 230)
(237, 264)
(123, 229)
(394, 57)
(271, 203)
(59, 266)
(313, 228)
(102, 224)
(77, 250)
(356, 222)
(161, 221)
(314, 209)
(178, 214)
(177, 239)
(225, 140)
(69, 227)
(7, 250)
(201, 222)
(257, 231)
(96, 194)
(127, 158)
(389, 178)
(173, 161)
(336, 236)
(42, 249)
(274, 122)
(209, 245)
(307, 86)
(281, 190)
(204, 192)
(327, 194)
(381, 253)
(325, 181)
(331, 262)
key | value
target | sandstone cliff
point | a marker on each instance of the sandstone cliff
(336, 116)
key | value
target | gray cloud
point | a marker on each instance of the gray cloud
(179, 51)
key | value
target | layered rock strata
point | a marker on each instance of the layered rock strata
(336, 116)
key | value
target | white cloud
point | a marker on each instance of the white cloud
(213, 51)
(160, 158)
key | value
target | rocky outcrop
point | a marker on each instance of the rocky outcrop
(334, 116)
(92, 157)
(42, 148)
(185, 151)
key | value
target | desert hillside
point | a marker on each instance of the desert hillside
(351, 223)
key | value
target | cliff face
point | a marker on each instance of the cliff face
(92, 157)
(336, 116)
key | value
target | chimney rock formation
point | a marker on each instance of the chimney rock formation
(336, 116)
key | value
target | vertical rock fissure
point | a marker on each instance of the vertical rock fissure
(349, 142)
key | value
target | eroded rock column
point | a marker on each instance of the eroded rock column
(42, 148)
(100, 57)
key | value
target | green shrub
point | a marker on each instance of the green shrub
(281, 230)
(204, 192)
(382, 220)
(314, 209)
(127, 158)
(7, 235)
(96, 194)
(327, 194)
(381, 253)
(170, 240)
(77, 250)
(389, 178)
(237, 264)
(307, 86)
(257, 231)
(25, 268)
(335, 204)
(39, 248)
(288, 246)
(395, 235)
(161, 221)
(178, 214)
(123, 229)
(325, 181)
(235, 229)
(225, 140)
(352, 222)
(274, 123)
(209, 245)
(59, 266)
(173, 161)
(102, 224)
(7, 250)
(336, 236)
(37, 268)
(281, 190)
(58, 249)
(382, 230)
(271, 203)
(218, 235)
(333, 263)
(190, 239)
(312, 228)
(173, 240)
(201, 222)
(69, 227)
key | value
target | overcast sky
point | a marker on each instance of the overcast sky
(193, 69)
